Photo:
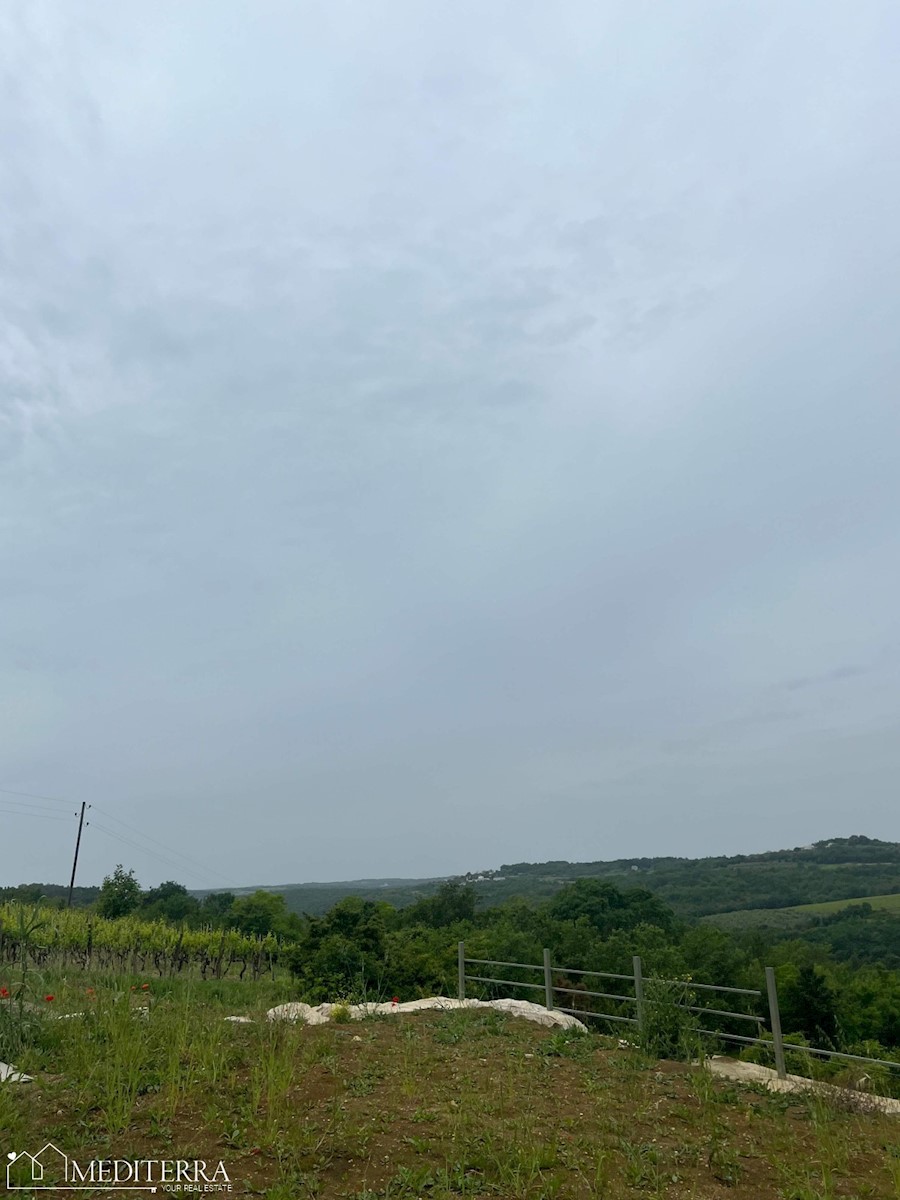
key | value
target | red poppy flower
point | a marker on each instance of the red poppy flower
(49, 999)
(4, 992)
(145, 987)
(395, 1000)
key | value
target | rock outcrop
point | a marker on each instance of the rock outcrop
(320, 1014)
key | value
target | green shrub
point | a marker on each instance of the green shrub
(668, 1028)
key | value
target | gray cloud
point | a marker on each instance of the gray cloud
(836, 675)
(426, 444)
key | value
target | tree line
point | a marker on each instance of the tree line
(839, 980)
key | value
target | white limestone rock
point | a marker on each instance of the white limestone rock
(320, 1014)
(9, 1074)
(536, 1012)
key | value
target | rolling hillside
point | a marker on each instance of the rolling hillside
(828, 872)
(802, 916)
(890, 902)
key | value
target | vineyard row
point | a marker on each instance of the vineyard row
(73, 937)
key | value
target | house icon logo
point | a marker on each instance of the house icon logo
(49, 1168)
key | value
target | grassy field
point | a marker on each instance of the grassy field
(797, 916)
(779, 919)
(422, 1105)
(891, 902)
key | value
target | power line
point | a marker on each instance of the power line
(137, 846)
(42, 816)
(33, 796)
(22, 808)
(192, 863)
(31, 807)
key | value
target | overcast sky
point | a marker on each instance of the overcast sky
(438, 435)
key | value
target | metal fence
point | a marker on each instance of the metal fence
(635, 1003)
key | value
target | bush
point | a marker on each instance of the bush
(668, 1028)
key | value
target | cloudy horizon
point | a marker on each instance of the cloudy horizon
(439, 437)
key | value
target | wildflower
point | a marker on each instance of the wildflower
(4, 993)
(133, 988)
(49, 999)
(145, 987)
(395, 1000)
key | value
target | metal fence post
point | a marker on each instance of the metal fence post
(638, 990)
(461, 950)
(775, 1021)
(548, 980)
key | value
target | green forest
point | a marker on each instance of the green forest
(852, 868)
(838, 971)
(836, 869)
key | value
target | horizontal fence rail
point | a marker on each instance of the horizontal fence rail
(640, 1001)
(598, 974)
(536, 987)
(712, 987)
(599, 995)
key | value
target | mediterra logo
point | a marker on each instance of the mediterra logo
(50, 1170)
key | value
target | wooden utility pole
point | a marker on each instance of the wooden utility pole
(75, 861)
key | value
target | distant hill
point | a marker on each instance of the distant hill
(834, 870)
(317, 898)
(776, 882)
(30, 893)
